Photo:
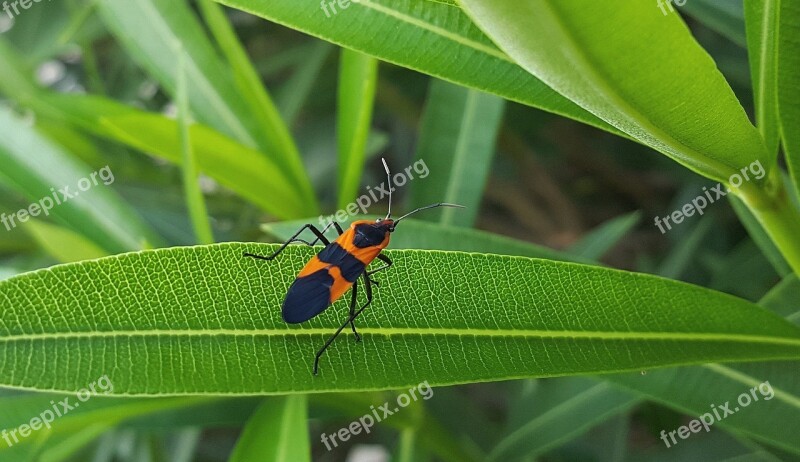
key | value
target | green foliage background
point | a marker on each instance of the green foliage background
(553, 319)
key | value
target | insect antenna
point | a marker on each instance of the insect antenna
(389, 180)
(438, 204)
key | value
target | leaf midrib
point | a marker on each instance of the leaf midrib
(390, 332)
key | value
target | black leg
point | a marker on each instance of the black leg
(327, 227)
(353, 302)
(353, 316)
(387, 262)
(318, 233)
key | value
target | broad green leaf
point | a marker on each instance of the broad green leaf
(564, 409)
(666, 93)
(168, 322)
(788, 65)
(762, 50)
(358, 75)
(277, 431)
(457, 142)
(149, 29)
(40, 170)
(601, 239)
(431, 37)
(65, 245)
(418, 234)
(723, 16)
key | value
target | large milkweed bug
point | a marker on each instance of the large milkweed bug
(336, 268)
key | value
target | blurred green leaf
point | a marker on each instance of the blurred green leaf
(149, 28)
(195, 203)
(601, 239)
(277, 431)
(294, 94)
(63, 244)
(431, 37)
(178, 327)
(358, 75)
(98, 213)
(676, 97)
(253, 92)
(457, 139)
(563, 410)
(232, 164)
(723, 16)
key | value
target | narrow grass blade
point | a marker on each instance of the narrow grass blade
(277, 431)
(601, 239)
(358, 74)
(457, 142)
(195, 202)
(761, 18)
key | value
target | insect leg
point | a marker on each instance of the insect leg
(353, 303)
(388, 263)
(368, 288)
(327, 227)
(318, 233)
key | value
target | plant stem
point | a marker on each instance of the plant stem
(777, 214)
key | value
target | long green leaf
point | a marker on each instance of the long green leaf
(600, 240)
(358, 75)
(666, 93)
(761, 19)
(168, 322)
(195, 202)
(429, 36)
(457, 142)
(39, 169)
(277, 431)
(147, 28)
(253, 92)
(788, 57)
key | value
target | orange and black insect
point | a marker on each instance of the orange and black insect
(338, 267)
